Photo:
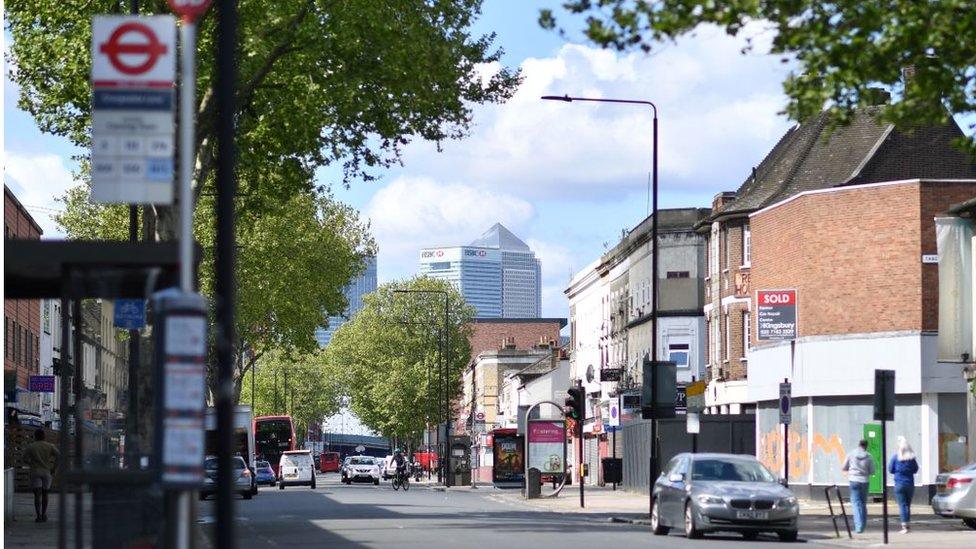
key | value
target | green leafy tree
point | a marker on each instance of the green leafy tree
(387, 356)
(322, 82)
(300, 385)
(842, 48)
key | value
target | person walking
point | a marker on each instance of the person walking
(904, 466)
(859, 467)
(42, 458)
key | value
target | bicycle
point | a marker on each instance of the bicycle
(401, 480)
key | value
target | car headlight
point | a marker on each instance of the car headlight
(706, 499)
(788, 501)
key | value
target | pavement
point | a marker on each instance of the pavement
(24, 532)
(428, 515)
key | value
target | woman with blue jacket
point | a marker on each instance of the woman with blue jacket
(903, 466)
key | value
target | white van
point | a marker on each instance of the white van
(295, 468)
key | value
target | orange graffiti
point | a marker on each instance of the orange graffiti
(771, 450)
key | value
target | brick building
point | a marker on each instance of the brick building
(22, 323)
(488, 333)
(846, 219)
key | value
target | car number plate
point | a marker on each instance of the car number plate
(753, 515)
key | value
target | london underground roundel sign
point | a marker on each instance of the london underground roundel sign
(189, 10)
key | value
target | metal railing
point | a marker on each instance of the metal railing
(843, 512)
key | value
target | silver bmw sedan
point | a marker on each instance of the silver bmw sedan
(722, 492)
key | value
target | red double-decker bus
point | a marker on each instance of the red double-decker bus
(272, 436)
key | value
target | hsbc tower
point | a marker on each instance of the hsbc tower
(497, 274)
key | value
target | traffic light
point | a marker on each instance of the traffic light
(659, 389)
(574, 403)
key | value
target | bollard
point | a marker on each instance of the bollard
(533, 484)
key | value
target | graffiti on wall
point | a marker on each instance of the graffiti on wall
(802, 451)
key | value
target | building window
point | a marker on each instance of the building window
(708, 343)
(679, 354)
(728, 337)
(746, 246)
(728, 248)
(678, 274)
(6, 337)
(713, 250)
(746, 333)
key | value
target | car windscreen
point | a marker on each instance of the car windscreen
(361, 461)
(263, 464)
(211, 463)
(735, 470)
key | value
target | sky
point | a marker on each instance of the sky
(567, 178)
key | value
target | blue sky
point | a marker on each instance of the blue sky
(566, 178)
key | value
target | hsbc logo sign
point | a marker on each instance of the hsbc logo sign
(431, 253)
(475, 253)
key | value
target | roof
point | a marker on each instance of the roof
(500, 237)
(520, 320)
(670, 220)
(30, 219)
(810, 156)
(538, 368)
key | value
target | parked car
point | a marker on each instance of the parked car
(264, 474)
(955, 494)
(722, 492)
(329, 462)
(361, 469)
(244, 483)
(389, 468)
(295, 468)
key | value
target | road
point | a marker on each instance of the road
(335, 515)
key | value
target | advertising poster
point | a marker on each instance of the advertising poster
(509, 461)
(546, 446)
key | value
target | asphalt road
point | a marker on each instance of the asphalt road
(335, 515)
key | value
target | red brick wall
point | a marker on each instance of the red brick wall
(488, 336)
(22, 325)
(854, 256)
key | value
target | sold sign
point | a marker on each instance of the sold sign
(189, 10)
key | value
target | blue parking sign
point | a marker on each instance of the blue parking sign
(130, 314)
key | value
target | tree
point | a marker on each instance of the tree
(293, 263)
(321, 82)
(387, 356)
(300, 385)
(843, 48)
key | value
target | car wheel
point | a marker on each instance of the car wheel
(750, 535)
(376, 482)
(787, 536)
(691, 531)
(970, 522)
(247, 495)
(656, 526)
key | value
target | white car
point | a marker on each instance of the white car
(361, 469)
(296, 468)
(389, 468)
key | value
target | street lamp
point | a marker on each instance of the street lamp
(654, 254)
(445, 369)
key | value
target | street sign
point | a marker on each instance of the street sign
(130, 314)
(785, 403)
(681, 400)
(695, 397)
(479, 417)
(611, 374)
(613, 414)
(41, 384)
(693, 423)
(133, 70)
(776, 315)
(884, 395)
(189, 10)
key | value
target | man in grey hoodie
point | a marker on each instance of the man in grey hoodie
(859, 467)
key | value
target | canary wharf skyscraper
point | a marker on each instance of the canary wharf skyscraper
(497, 274)
(357, 288)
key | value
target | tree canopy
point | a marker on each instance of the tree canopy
(387, 357)
(922, 52)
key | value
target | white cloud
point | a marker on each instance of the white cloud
(413, 212)
(718, 115)
(36, 180)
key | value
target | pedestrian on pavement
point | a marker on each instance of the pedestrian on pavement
(859, 467)
(42, 458)
(904, 466)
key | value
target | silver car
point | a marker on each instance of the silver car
(956, 494)
(722, 492)
(244, 482)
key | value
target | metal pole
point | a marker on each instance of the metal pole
(131, 424)
(652, 470)
(79, 376)
(884, 471)
(254, 371)
(579, 433)
(615, 452)
(66, 363)
(225, 259)
(786, 447)
(188, 40)
(447, 391)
